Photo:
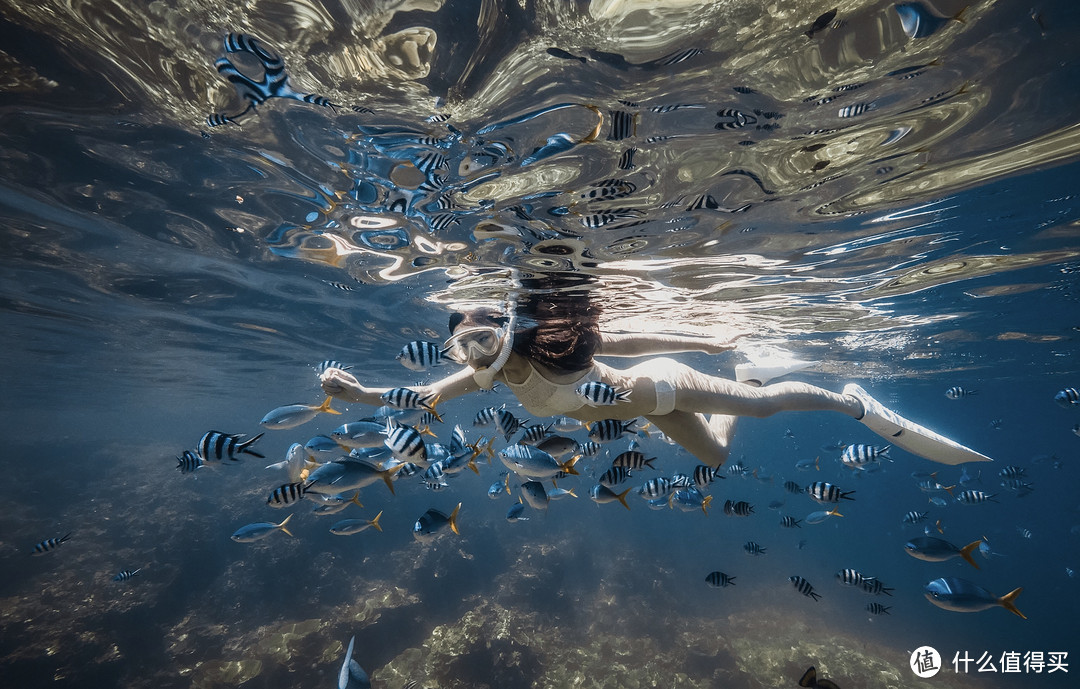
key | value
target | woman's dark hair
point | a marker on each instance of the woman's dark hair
(557, 323)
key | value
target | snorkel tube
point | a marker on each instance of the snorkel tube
(485, 377)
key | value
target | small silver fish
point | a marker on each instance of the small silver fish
(260, 530)
(293, 415)
(349, 527)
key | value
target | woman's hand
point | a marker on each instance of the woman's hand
(342, 384)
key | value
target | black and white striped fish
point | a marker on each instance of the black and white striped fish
(508, 424)
(731, 118)
(626, 160)
(876, 587)
(126, 574)
(654, 488)
(406, 443)
(719, 579)
(1012, 471)
(440, 221)
(435, 475)
(825, 492)
(856, 109)
(328, 364)
(859, 456)
(633, 460)
(1068, 397)
(614, 476)
(608, 189)
(189, 462)
(623, 125)
(441, 117)
(606, 217)
(408, 469)
(956, 392)
(753, 548)
(607, 430)
(676, 106)
(1018, 484)
(405, 398)
(803, 586)
(737, 469)
(877, 609)
(597, 393)
(49, 544)
(793, 487)
(704, 475)
(535, 433)
(589, 448)
(738, 509)
(974, 497)
(429, 162)
(217, 446)
(419, 355)
(851, 577)
(679, 56)
(287, 494)
(914, 517)
(790, 522)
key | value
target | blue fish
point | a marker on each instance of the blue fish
(960, 595)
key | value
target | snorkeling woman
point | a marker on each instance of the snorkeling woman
(545, 348)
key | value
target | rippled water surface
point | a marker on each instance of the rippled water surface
(200, 202)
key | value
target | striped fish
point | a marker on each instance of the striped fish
(704, 475)
(608, 430)
(793, 487)
(859, 456)
(608, 189)
(606, 217)
(440, 221)
(634, 460)
(1012, 471)
(286, 495)
(589, 448)
(508, 424)
(419, 355)
(49, 544)
(406, 443)
(126, 574)
(655, 488)
(623, 125)
(614, 476)
(914, 517)
(719, 580)
(430, 161)
(679, 56)
(535, 433)
(851, 577)
(217, 446)
(790, 522)
(598, 393)
(856, 109)
(974, 497)
(738, 509)
(435, 475)
(803, 586)
(189, 462)
(875, 587)
(1068, 397)
(676, 106)
(731, 118)
(405, 398)
(408, 469)
(626, 160)
(877, 609)
(753, 548)
(442, 117)
(956, 392)
(824, 492)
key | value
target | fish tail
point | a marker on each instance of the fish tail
(941, 529)
(705, 504)
(506, 483)
(426, 430)
(817, 467)
(572, 492)
(568, 467)
(283, 523)
(375, 522)
(453, 519)
(649, 462)
(949, 489)
(967, 550)
(1006, 602)
(835, 512)
(622, 395)
(622, 497)
(356, 499)
(472, 465)
(246, 447)
(65, 537)
(387, 477)
(325, 406)
(809, 678)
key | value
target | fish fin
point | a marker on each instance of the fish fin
(1006, 602)
(941, 529)
(949, 489)
(967, 550)
(817, 467)
(809, 678)
(568, 467)
(356, 499)
(246, 447)
(453, 519)
(375, 522)
(357, 672)
(426, 430)
(283, 523)
(834, 512)
(472, 465)
(622, 497)
(705, 504)
(649, 462)
(622, 395)
(325, 406)
(387, 477)
(573, 493)
(506, 483)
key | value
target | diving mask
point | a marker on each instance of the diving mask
(472, 343)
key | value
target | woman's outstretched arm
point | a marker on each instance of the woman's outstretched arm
(345, 386)
(647, 344)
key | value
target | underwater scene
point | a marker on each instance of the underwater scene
(469, 343)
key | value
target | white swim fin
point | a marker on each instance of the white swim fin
(909, 435)
(761, 371)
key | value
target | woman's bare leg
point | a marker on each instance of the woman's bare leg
(708, 440)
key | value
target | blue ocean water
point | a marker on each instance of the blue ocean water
(897, 203)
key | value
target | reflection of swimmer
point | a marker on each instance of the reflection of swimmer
(547, 347)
